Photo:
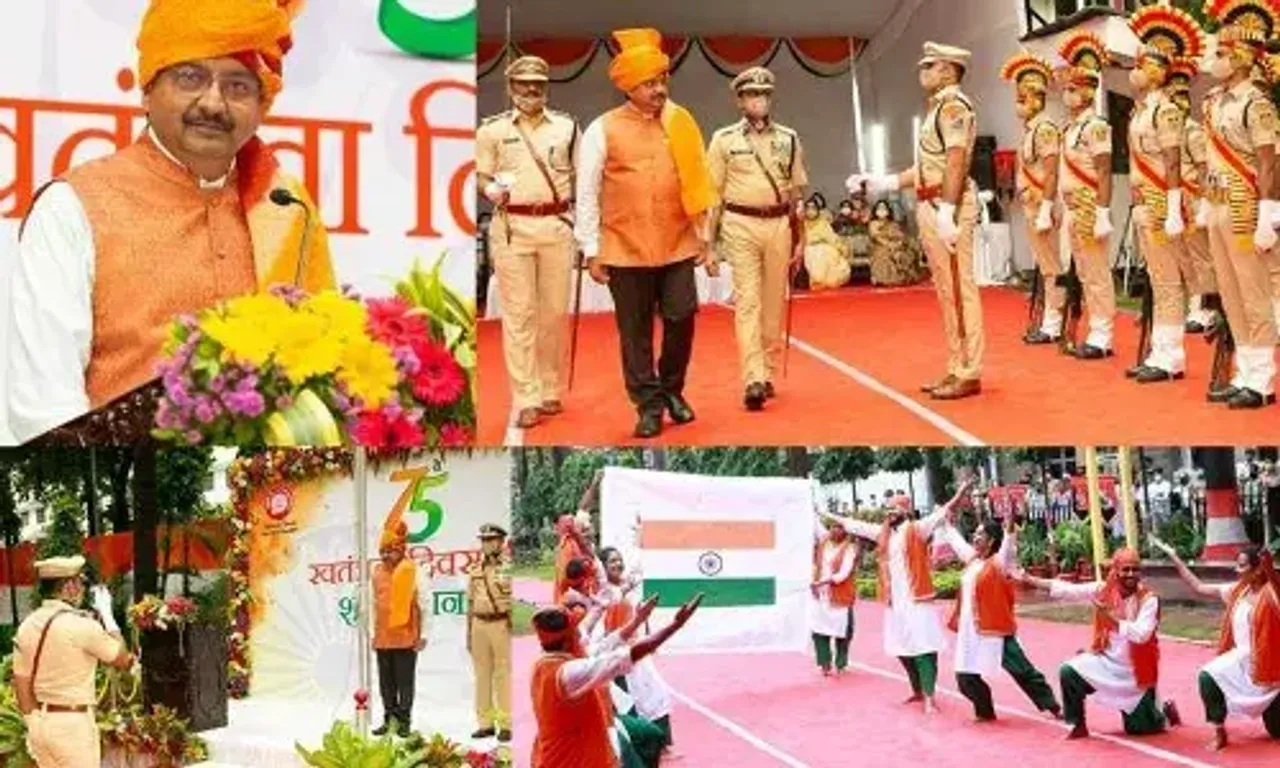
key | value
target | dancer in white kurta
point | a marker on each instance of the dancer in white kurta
(912, 629)
(1121, 667)
(1244, 679)
(983, 620)
(832, 594)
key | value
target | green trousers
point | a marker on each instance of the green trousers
(922, 671)
(822, 649)
(1215, 706)
(1145, 719)
(1029, 679)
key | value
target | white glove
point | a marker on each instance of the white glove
(947, 229)
(876, 185)
(102, 605)
(1264, 235)
(1173, 225)
(1102, 225)
(1202, 213)
(1044, 219)
(1275, 214)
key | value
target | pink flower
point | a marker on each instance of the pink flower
(439, 380)
(454, 436)
(391, 323)
(376, 429)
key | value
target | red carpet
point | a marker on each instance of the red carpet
(781, 702)
(1031, 395)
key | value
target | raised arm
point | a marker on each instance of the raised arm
(1193, 581)
(962, 548)
(863, 530)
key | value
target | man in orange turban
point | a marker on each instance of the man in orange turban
(116, 249)
(1122, 666)
(643, 198)
(399, 625)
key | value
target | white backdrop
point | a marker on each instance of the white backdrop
(341, 70)
(304, 647)
(631, 496)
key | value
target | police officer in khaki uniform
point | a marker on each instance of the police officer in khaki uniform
(758, 168)
(1240, 122)
(489, 633)
(55, 660)
(524, 167)
(947, 213)
(1203, 302)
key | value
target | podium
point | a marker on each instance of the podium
(186, 671)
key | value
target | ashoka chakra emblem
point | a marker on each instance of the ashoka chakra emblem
(710, 563)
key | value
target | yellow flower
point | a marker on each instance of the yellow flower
(247, 327)
(369, 371)
(307, 348)
(346, 317)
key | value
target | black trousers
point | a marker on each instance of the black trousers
(396, 670)
(639, 292)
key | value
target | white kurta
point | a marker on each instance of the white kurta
(826, 618)
(911, 628)
(1111, 672)
(1231, 670)
(650, 691)
(976, 654)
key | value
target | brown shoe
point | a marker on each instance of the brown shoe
(929, 389)
(528, 418)
(957, 389)
(551, 408)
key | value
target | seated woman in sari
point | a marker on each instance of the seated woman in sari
(826, 256)
(895, 260)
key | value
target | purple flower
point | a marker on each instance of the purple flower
(408, 360)
(206, 410)
(250, 403)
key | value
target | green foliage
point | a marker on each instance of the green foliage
(342, 747)
(213, 603)
(1073, 541)
(836, 465)
(7, 633)
(64, 536)
(13, 731)
(1179, 532)
(1033, 546)
(181, 475)
(899, 459)
(728, 462)
(945, 584)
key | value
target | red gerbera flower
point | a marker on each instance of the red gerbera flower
(454, 436)
(377, 430)
(440, 380)
(391, 323)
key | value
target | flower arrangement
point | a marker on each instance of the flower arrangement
(153, 613)
(245, 476)
(343, 746)
(286, 368)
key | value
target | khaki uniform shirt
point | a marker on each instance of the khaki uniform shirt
(731, 158)
(1041, 143)
(501, 150)
(951, 123)
(69, 661)
(1157, 125)
(489, 588)
(1242, 118)
(1085, 137)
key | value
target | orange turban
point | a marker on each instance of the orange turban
(257, 32)
(394, 535)
(640, 59)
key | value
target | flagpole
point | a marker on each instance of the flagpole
(855, 95)
(360, 470)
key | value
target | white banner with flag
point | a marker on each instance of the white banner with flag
(745, 543)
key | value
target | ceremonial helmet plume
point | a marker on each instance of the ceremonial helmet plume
(1085, 55)
(1027, 72)
(1167, 34)
(1244, 21)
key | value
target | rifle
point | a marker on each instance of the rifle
(1224, 343)
(1035, 304)
(1145, 322)
(1072, 310)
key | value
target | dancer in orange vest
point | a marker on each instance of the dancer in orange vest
(116, 249)
(574, 532)
(399, 626)
(570, 689)
(1121, 667)
(1244, 680)
(834, 590)
(912, 630)
(984, 623)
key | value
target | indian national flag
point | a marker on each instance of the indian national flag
(730, 561)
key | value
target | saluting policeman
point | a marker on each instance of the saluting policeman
(758, 168)
(489, 632)
(55, 662)
(525, 167)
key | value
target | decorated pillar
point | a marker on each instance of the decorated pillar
(1224, 529)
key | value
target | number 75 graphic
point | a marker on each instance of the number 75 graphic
(428, 37)
(414, 500)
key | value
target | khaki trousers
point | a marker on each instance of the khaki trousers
(1093, 267)
(64, 740)
(758, 251)
(1244, 282)
(957, 289)
(533, 279)
(1163, 257)
(1044, 249)
(491, 664)
(1197, 262)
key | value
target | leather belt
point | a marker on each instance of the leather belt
(65, 707)
(491, 616)
(760, 212)
(539, 209)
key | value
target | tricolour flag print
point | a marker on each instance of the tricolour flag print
(728, 561)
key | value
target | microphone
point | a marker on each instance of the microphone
(284, 198)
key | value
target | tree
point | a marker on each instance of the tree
(146, 519)
(836, 465)
(905, 460)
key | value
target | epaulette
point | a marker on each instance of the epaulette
(497, 117)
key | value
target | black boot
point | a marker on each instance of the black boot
(755, 396)
(649, 424)
(679, 409)
(483, 733)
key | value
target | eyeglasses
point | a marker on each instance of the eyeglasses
(196, 79)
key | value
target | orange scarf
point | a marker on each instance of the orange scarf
(1265, 629)
(918, 571)
(1144, 656)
